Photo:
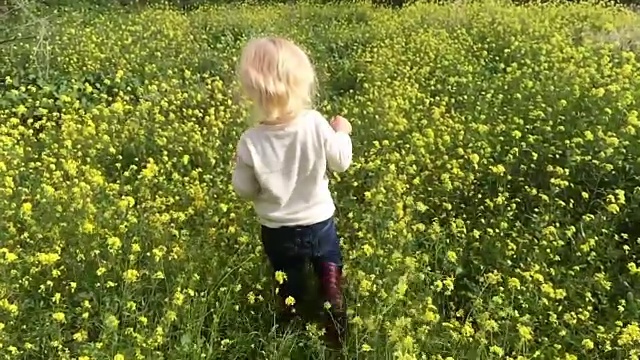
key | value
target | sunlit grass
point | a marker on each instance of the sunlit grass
(490, 213)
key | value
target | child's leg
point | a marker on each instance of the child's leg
(287, 253)
(327, 263)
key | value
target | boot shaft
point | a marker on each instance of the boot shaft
(336, 317)
(331, 285)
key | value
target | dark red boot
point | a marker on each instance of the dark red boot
(331, 288)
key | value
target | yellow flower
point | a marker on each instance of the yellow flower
(497, 350)
(290, 301)
(114, 243)
(150, 170)
(47, 259)
(613, 208)
(630, 334)
(58, 317)
(80, 336)
(27, 208)
(587, 344)
(251, 297)
(131, 275)
(112, 321)
(514, 283)
(280, 277)
(498, 169)
(525, 332)
(10, 257)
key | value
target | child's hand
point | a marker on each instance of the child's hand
(340, 124)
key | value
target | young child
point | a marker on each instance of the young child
(281, 166)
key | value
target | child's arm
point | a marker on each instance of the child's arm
(338, 147)
(244, 178)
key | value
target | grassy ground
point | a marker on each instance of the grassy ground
(491, 211)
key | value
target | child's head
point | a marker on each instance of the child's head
(278, 77)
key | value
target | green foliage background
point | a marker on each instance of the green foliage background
(491, 211)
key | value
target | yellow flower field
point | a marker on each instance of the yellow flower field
(491, 213)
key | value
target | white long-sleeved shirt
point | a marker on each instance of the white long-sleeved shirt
(283, 169)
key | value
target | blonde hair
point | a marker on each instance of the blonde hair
(278, 77)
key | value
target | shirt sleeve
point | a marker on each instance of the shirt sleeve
(244, 180)
(337, 145)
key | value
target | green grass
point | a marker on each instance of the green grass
(491, 211)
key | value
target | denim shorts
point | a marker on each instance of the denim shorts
(289, 248)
